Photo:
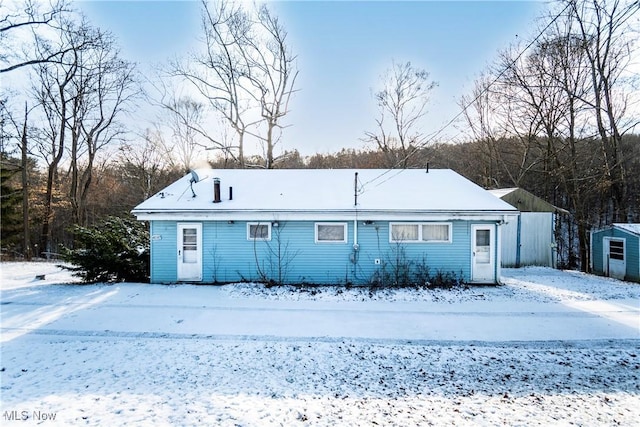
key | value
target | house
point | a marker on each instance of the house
(615, 251)
(531, 239)
(322, 226)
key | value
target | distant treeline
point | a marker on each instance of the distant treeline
(128, 180)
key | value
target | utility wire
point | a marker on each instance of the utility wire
(429, 139)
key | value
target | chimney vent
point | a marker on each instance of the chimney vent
(216, 190)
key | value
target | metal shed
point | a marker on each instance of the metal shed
(529, 240)
(615, 251)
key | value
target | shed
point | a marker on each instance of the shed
(615, 251)
(530, 240)
(322, 226)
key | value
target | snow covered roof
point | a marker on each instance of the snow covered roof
(501, 192)
(631, 228)
(324, 190)
(525, 201)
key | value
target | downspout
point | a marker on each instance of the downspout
(518, 240)
(356, 247)
(591, 246)
(498, 255)
(355, 221)
(554, 245)
(355, 233)
(355, 251)
(151, 252)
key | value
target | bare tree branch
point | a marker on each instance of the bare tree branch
(403, 98)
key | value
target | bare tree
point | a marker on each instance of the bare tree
(551, 98)
(26, 243)
(247, 74)
(555, 85)
(143, 168)
(28, 20)
(607, 35)
(533, 101)
(101, 91)
(50, 89)
(184, 117)
(216, 70)
(487, 118)
(80, 99)
(271, 70)
(277, 257)
(402, 102)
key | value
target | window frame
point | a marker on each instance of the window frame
(263, 239)
(344, 226)
(619, 254)
(420, 234)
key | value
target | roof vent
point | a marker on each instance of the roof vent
(216, 190)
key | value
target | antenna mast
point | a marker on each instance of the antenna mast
(355, 190)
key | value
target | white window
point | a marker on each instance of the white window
(405, 232)
(189, 245)
(331, 232)
(259, 231)
(435, 232)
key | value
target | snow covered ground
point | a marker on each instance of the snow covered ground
(546, 348)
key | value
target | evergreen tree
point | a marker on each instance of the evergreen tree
(10, 203)
(114, 250)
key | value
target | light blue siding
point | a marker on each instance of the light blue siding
(164, 268)
(632, 252)
(448, 257)
(228, 256)
(597, 250)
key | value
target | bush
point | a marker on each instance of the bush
(397, 270)
(115, 250)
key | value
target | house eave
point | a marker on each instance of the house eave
(327, 215)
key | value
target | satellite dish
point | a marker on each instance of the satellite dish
(194, 178)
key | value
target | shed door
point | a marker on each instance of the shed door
(189, 252)
(615, 258)
(483, 265)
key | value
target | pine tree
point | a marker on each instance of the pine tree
(114, 250)
(10, 204)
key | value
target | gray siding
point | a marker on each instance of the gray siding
(536, 240)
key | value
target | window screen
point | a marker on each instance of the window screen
(331, 233)
(423, 232)
(404, 232)
(260, 231)
(435, 232)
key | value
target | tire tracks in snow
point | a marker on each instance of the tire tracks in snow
(551, 344)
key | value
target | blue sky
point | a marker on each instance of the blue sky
(343, 48)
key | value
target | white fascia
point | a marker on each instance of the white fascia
(350, 215)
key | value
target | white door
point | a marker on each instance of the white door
(614, 258)
(189, 252)
(483, 264)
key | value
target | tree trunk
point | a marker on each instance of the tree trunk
(26, 244)
(48, 210)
